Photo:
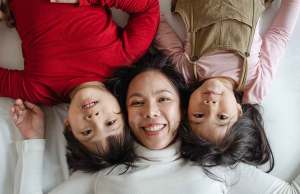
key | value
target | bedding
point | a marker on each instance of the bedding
(281, 110)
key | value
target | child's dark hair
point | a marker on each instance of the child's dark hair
(121, 79)
(119, 151)
(245, 141)
(8, 16)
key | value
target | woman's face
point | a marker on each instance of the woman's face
(213, 109)
(94, 115)
(153, 106)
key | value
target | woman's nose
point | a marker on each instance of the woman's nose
(209, 102)
(151, 111)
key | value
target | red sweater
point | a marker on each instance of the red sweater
(65, 45)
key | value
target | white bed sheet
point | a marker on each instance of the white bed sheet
(281, 113)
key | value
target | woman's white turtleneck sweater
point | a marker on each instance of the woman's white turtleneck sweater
(156, 171)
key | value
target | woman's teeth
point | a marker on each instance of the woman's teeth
(154, 127)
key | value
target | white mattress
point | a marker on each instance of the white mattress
(281, 113)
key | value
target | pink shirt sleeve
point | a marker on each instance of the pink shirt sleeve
(274, 43)
(169, 43)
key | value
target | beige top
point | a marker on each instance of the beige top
(220, 25)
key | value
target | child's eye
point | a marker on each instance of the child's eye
(86, 132)
(223, 116)
(198, 115)
(163, 99)
(111, 122)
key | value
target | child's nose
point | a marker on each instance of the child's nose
(91, 115)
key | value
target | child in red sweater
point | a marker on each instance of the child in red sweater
(68, 51)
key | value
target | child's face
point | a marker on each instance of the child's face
(153, 107)
(213, 109)
(94, 115)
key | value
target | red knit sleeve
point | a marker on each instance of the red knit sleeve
(140, 30)
(136, 37)
(87, 2)
(13, 84)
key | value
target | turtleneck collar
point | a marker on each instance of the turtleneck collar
(166, 155)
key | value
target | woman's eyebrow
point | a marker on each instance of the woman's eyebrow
(163, 90)
(136, 94)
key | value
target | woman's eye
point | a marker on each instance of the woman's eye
(86, 132)
(223, 117)
(163, 99)
(137, 103)
(198, 115)
(110, 123)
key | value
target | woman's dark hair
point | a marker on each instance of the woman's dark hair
(245, 141)
(121, 79)
(8, 16)
(119, 151)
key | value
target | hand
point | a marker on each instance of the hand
(64, 1)
(29, 118)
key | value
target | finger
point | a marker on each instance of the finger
(13, 109)
(15, 118)
(20, 117)
(20, 103)
(14, 115)
(17, 114)
(18, 109)
(20, 114)
(32, 107)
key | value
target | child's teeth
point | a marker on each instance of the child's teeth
(89, 105)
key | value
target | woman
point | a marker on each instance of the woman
(154, 107)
